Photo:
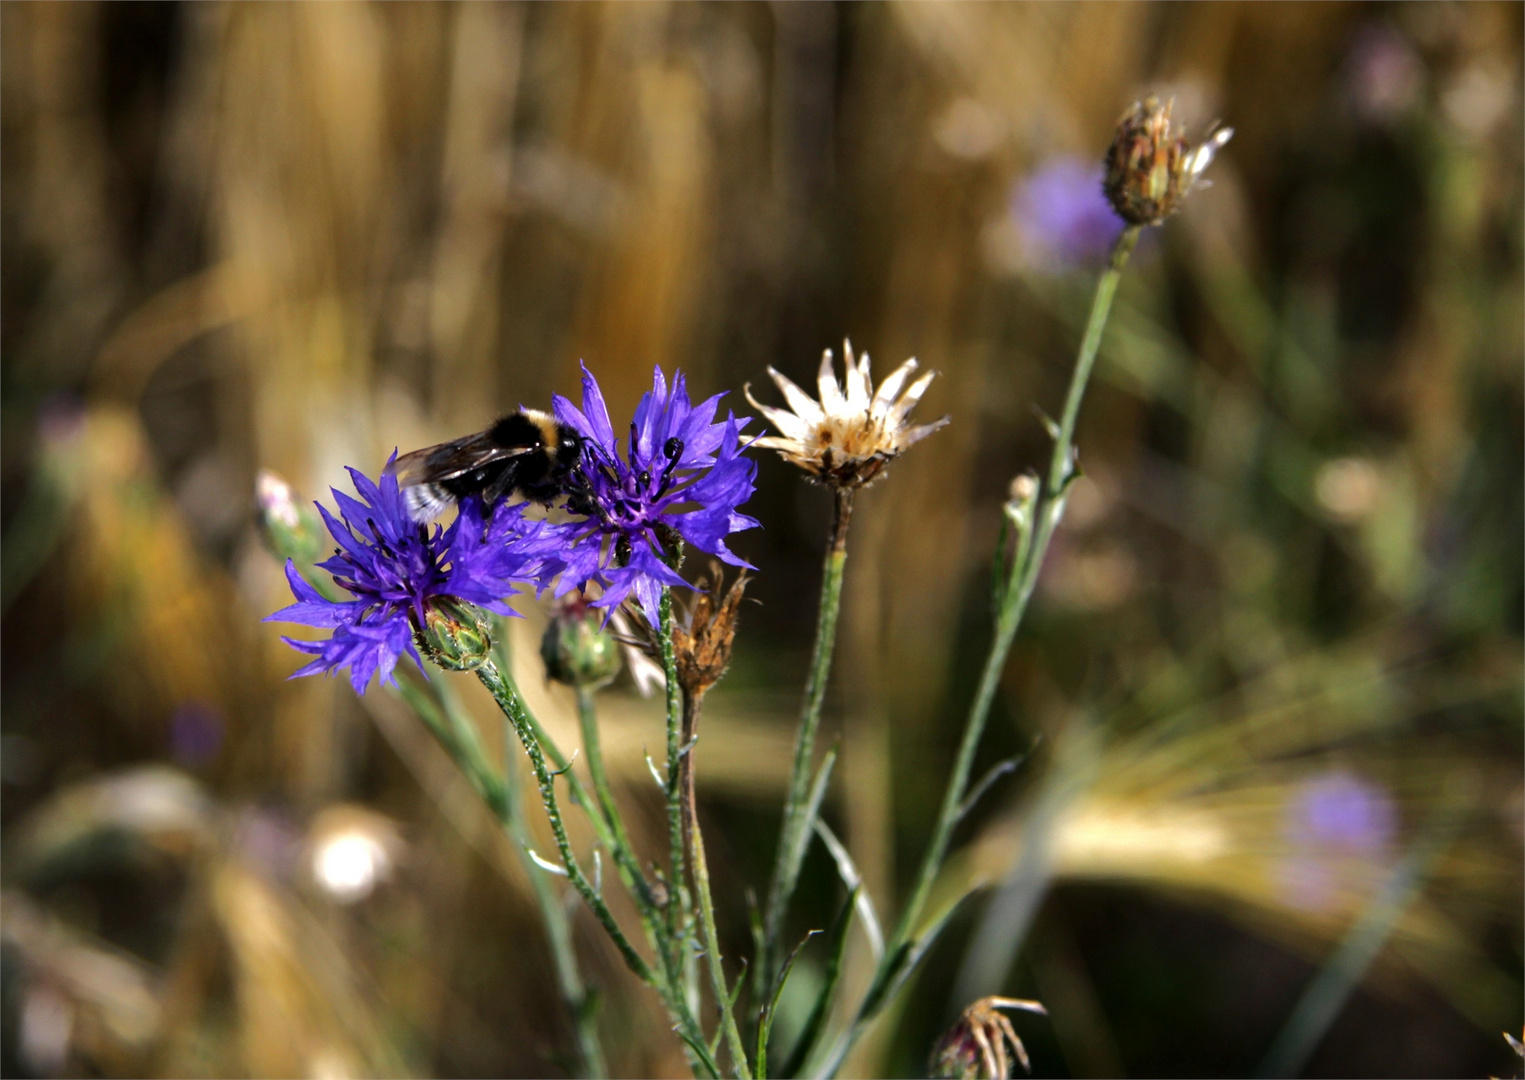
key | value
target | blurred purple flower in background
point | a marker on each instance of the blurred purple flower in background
(1335, 823)
(1062, 216)
(675, 457)
(395, 567)
(196, 733)
(1383, 75)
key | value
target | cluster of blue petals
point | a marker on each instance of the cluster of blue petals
(680, 476)
(393, 567)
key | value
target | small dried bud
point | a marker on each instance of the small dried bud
(288, 525)
(975, 1047)
(1150, 168)
(702, 642)
(456, 635)
(1024, 488)
(576, 648)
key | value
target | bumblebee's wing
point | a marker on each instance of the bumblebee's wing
(421, 473)
(449, 460)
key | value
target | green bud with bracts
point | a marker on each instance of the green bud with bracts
(456, 635)
(578, 651)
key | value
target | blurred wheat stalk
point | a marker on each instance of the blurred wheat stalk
(372, 225)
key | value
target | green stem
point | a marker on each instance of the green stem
(1022, 580)
(558, 931)
(702, 897)
(604, 817)
(677, 908)
(491, 678)
(455, 732)
(794, 833)
(607, 810)
(665, 982)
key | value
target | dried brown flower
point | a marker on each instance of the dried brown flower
(1151, 168)
(845, 439)
(702, 640)
(975, 1047)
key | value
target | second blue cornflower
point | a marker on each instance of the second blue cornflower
(682, 477)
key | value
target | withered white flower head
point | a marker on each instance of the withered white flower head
(847, 438)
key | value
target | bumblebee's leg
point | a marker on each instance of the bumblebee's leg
(499, 485)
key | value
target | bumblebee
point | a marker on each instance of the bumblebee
(528, 452)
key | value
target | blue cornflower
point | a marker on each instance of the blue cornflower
(682, 476)
(396, 570)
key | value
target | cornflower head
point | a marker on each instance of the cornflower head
(975, 1047)
(845, 439)
(408, 582)
(1151, 167)
(680, 480)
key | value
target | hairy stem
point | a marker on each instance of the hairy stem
(455, 733)
(512, 708)
(694, 839)
(1022, 579)
(558, 931)
(794, 833)
(677, 906)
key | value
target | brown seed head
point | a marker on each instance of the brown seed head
(702, 641)
(975, 1047)
(1150, 168)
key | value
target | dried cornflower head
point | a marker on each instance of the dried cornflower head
(975, 1047)
(702, 640)
(701, 636)
(847, 438)
(1151, 168)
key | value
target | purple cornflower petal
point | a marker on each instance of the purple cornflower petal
(681, 471)
(394, 568)
(1062, 214)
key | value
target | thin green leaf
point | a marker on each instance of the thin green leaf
(770, 1010)
(816, 1022)
(848, 871)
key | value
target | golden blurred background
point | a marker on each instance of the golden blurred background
(1275, 656)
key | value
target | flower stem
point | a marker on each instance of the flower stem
(454, 732)
(795, 830)
(509, 702)
(1022, 579)
(677, 906)
(536, 744)
(558, 931)
(587, 717)
(702, 898)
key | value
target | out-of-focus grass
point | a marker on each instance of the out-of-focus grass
(298, 236)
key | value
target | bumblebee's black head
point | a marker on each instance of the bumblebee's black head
(568, 446)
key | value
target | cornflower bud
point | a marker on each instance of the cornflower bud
(975, 1047)
(576, 648)
(289, 526)
(1150, 168)
(456, 635)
